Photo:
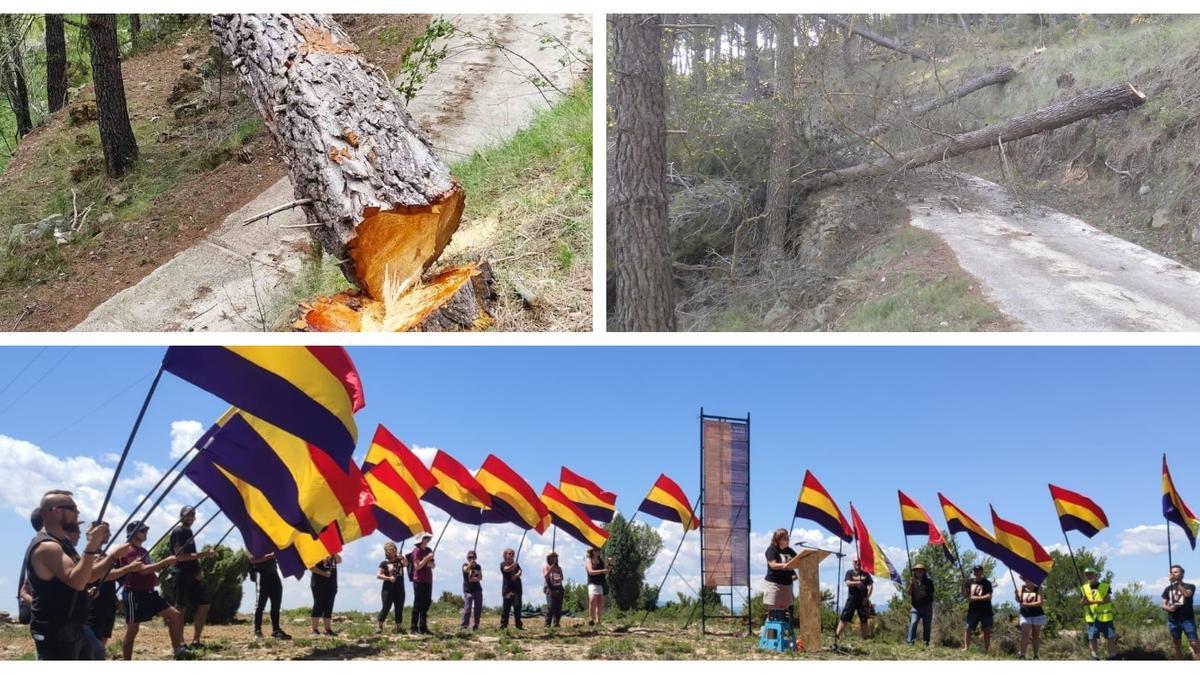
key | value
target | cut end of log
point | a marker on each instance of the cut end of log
(1136, 92)
(458, 298)
(396, 246)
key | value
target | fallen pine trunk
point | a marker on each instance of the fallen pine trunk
(1098, 102)
(877, 38)
(998, 75)
(375, 194)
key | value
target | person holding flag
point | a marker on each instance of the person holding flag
(268, 588)
(472, 593)
(391, 573)
(142, 602)
(859, 586)
(1033, 615)
(422, 578)
(1181, 615)
(1099, 614)
(324, 586)
(552, 573)
(920, 596)
(189, 580)
(978, 592)
(510, 589)
(597, 580)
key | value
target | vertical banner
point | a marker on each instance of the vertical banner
(725, 501)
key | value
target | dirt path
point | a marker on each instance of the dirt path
(1052, 272)
(233, 279)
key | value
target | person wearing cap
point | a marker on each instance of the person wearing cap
(142, 602)
(920, 596)
(472, 574)
(190, 591)
(1099, 614)
(978, 592)
(1181, 614)
(422, 576)
(859, 586)
(1033, 615)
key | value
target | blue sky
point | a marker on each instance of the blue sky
(980, 424)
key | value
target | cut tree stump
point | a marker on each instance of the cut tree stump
(877, 38)
(384, 203)
(1098, 102)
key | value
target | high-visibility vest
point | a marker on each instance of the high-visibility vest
(1102, 612)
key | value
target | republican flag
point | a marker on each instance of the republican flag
(871, 557)
(398, 512)
(667, 501)
(958, 521)
(917, 522)
(599, 505)
(457, 492)
(1174, 510)
(310, 392)
(815, 504)
(1022, 553)
(387, 448)
(1076, 512)
(568, 517)
(513, 500)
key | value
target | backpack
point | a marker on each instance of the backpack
(409, 567)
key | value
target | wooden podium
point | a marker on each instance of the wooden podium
(808, 599)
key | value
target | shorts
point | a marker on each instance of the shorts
(102, 620)
(858, 606)
(596, 589)
(1034, 620)
(777, 595)
(980, 619)
(1180, 628)
(1096, 629)
(190, 592)
(141, 606)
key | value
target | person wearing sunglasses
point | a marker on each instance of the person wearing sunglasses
(472, 593)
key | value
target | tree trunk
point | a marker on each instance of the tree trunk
(877, 38)
(779, 184)
(699, 66)
(386, 205)
(641, 248)
(1098, 102)
(56, 63)
(135, 30)
(750, 61)
(116, 134)
(998, 75)
(18, 90)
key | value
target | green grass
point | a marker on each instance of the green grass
(919, 304)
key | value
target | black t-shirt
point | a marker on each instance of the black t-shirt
(267, 567)
(395, 569)
(326, 565)
(1184, 610)
(601, 578)
(1031, 596)
(977, 588)
(859, 592)
(511, 583)
(182, 541)
(922, 593)
(775, 554)
(469, 585)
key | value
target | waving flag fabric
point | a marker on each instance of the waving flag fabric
(668, 502)
(569, 518)
(398, 512)
(387, 448)
(815, 504)
(870, 556)
(513, 500)
(917, 522)
(1174, 510)
(1076, 512)
(958, 521)
(1022, 553)
(599, 505)
(310, 392)
(457, 492)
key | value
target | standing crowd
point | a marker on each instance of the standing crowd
(1099, 611)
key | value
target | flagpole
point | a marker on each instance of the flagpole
(478, 528)
(957, 556)
(686, 528)
(553, 538)
(439, 539)
(154, 489)
(224, 536)
(194, 535)
(521, 545)
(1072, 552)
(908, 555)
(161, 497)
(1170, 560)
(129, 444)
(837, 607)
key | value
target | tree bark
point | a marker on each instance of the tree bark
(877, 38)
(998, 75)
(116, 134)
(386, 203)
(641, 249)
(779, 184)
(750, 61)
(699, 66)
(56, 63)
(135, 29)
(18, 90)
(1098, 102)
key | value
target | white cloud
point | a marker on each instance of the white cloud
(425, 453)
(184, 434)
(1144, 540)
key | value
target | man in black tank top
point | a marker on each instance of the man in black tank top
(58, 576)
(190, 591)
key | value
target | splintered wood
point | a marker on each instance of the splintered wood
(377, 196)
